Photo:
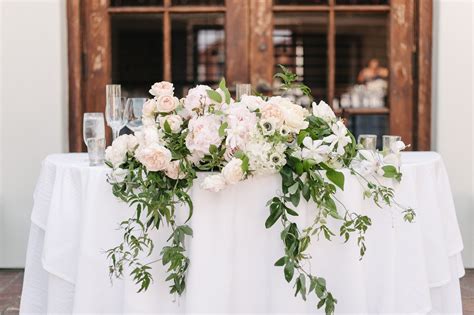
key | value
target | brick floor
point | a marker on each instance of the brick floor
(12, 280)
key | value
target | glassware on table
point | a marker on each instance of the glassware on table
(241, 90)
(116, 114)
(390, 150)
(134, 113)
(96, 151)
(368, 142)
(93, 126)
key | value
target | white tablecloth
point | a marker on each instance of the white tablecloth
(408, 268)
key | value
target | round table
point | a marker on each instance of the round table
(408, 268)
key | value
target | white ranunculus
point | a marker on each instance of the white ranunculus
(166, 103)
(203, 132)
(197, 99)
(174, 121)
(149, 108)
(324, 111)
(154, 157)
(213, 183)
(162, 88)
(252, 102)
(118, 175)
(294, 115)
(233, 172)
(173, 170)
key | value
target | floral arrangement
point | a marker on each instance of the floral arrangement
(207, 130)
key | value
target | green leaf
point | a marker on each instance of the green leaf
(213, 95)
(223, 87)
(280, 262)
(187, 230)
(289, 270)
(222, 129)
(336, 177)
(275, 214)
(167, 127)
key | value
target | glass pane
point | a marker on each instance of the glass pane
(137, 52)
(369, 124)
(198, 2)
(135, 3)
(300, 44)
(361, 58)
(365, 2)
(299, 2)
(198, 50)
(362, 67)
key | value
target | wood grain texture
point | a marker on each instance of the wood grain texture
(237, 41)
(98, 56)
(74, 43)
(331, 53)
(261, 43)
(424, 42)
(401, 69)
(167, 42)
(180, 9)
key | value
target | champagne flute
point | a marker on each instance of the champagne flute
(134, 113)
(116, 114)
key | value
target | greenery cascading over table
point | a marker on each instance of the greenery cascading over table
(207, 130)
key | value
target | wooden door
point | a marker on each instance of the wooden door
(324, 40)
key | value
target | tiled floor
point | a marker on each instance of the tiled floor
(12, 280)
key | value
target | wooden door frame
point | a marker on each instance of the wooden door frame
(249, 47)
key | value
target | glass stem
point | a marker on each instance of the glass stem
(115, 133)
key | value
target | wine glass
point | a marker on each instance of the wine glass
(116, 114)
(134, 113)
(93, 126)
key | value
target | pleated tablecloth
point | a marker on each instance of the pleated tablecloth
(408, 268)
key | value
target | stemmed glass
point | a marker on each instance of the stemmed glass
(134, 113)
(116, 114)
(368, 142)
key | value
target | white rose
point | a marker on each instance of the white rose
(213, 183)
(293, 115)
(148, 135)
(115, 157)
(166, 103)
(154, 157)
(232, 172)
(149, 108)
(162, 88)
(252, 102)
(324, 111)
(174, 121)
(173, 171)
(118, 175)
(203, 132)
(197, 99)
(241, 123)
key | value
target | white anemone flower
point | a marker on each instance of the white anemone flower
(339, 137)
(315, 150)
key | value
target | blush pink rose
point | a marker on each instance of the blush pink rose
(162, 88)
(166, 103)
(154, 157)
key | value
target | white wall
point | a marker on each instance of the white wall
(33, 110)
(33, 100)
(453, 107)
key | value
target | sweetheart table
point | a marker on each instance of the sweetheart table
(408, 268)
